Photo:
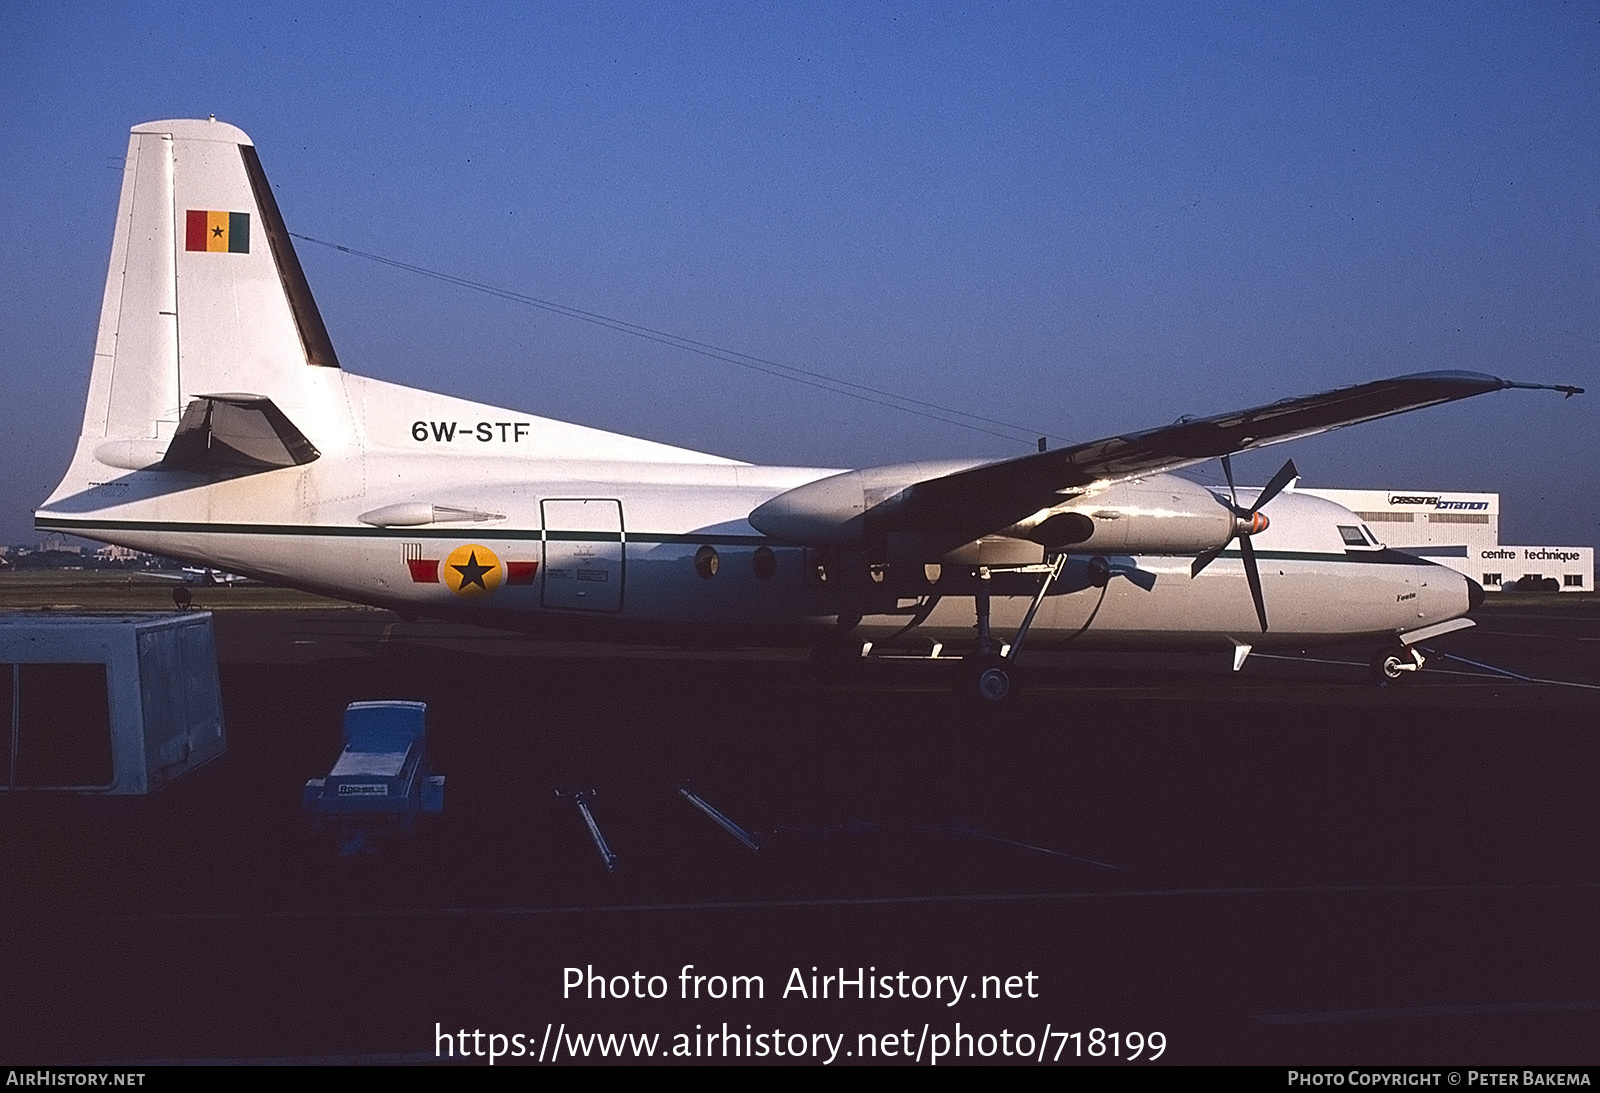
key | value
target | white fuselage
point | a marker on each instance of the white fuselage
(606, 547)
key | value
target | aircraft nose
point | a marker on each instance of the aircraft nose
(1474, 594)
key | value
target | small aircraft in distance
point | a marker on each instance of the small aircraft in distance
(220, 430)
(203, 575)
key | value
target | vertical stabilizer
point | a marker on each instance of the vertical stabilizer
(205, 294)
(133, 390)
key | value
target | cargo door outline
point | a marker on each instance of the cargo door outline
(585, 553)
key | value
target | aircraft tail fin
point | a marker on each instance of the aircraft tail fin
(205, 296)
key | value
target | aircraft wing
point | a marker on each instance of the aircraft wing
(982, 499)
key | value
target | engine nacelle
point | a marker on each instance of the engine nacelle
(834, 510)
(1161, 514)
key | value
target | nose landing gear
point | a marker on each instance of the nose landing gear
(1397, 663)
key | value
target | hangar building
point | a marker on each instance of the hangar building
(1462, 531)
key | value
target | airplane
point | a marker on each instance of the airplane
(221, 430)
(202, 575)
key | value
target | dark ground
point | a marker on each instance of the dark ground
(1313, 869)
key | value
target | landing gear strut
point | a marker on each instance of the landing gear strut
(994, 683)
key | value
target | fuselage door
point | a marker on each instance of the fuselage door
(583, 553)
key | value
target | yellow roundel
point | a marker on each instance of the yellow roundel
(472, 570)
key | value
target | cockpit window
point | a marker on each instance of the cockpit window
(1371, 538)
(1352, 536)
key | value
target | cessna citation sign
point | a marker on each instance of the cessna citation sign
(221, 430)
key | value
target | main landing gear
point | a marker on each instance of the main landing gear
(990, 676)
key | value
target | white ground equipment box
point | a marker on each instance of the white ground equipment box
(115, 704)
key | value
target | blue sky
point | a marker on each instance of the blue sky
(1081, 219)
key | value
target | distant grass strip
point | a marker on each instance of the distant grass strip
(110, 590)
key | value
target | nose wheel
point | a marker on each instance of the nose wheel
(1397, 663)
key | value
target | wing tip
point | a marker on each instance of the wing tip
(1485, 382)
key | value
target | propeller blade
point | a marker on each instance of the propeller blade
(1205, 559)
(1143, 578)
(1286, 474)
(1254, 576)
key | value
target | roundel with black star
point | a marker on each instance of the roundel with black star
(472, 570)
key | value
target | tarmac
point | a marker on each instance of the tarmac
(1287, 865)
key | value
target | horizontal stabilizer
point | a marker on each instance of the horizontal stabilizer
(236, 434)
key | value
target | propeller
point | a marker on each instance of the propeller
(1101, 569)
(1248, 522)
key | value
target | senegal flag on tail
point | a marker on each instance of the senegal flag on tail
(208, 230)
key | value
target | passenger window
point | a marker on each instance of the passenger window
(706, 562)
(764, 562)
